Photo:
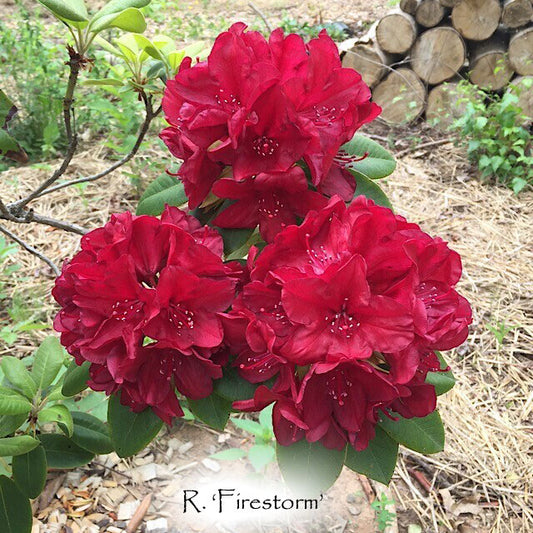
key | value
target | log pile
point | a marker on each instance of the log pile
(414, 56)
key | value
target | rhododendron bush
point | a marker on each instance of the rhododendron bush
(269, 270)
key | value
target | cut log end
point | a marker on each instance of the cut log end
(429, 13)
(396, 33)
(521, 52)
(523, 88)
(444, 105)
(369, 61)
(401, 95)
(476, 20)
(517, 13)
(438, 55)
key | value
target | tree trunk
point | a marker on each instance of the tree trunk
(396, 33)
(369, 61)
(489, 65)
(517, 13)
(476, 20)
(521, 52)
(401, 95)
(429, 13)
(438, 55)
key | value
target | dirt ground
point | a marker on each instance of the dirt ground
(482, 482)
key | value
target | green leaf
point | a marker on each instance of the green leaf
(48, 362)
(7, 143)
(261, 455)
(18, 375)
(17, 445)
(75, 378)
(62, 452)
(91, 433)
(442, 381)
(235, 240)
(10, 423)
(131, 432)
(377, 461)
(13, 403)
(251, 426)
(163, 190)
(116, 6)
(424, 435)
(233, 387)
(130, 19)
(59, 414)
(29, 472)
(309, 467)
(73, 10)
(366, 187)
(229, 455)
(379, 163)
(7, 109)
(15, 508)
(213, 410)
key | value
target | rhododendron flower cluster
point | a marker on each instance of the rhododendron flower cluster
(336, 318)
(259, 107)
(347, 311)
(140, 302)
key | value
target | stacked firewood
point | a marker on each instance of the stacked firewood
(413, 57)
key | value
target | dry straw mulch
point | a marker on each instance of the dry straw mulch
(483, 480)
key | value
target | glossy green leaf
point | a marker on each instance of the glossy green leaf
(379, 163)
(10, 423)
(260, 455)
(308, 467)
(48, 361)
(58, 414)
(7, 143)
(13, 446)
(116, 6)
(229, 455)
(13, 403)
(163, 190)
(7, 109)
(442, 381)
(91, 433)
(233, 387)
(366, 187)
(62, 452)
(75, 378)
(377, 461)
(17, 374)
(29, 472)
(130, 19)
(131, 432)
(213, 410)
(235, 240)
(73, 10)
(424, 435)
(15, 508)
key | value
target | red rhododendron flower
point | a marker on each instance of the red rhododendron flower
(262, 106)
(141, 302)
(273, 201)
(347, 310)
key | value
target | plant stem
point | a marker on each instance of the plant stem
(31, 249)
(149, 116)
